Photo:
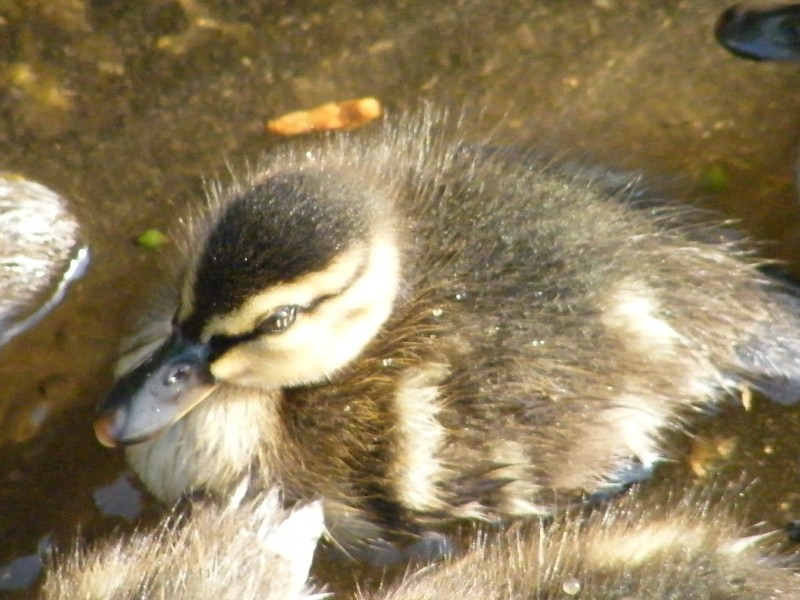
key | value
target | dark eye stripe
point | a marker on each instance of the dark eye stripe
(192, 327)
(220, 344)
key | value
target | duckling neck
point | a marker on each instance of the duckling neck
(213, 447)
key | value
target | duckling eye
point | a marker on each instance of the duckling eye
(278, 321)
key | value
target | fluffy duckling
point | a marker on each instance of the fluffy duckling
(243, 550)
(626, 550)
(416, 329)
(621, 551)
(41, 253)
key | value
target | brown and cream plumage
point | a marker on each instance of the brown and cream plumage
(418, 329)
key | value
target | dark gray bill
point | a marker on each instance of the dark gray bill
(155, 394)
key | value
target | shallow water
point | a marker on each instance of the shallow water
(124, 106)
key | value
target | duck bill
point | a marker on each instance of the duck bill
(155, 394)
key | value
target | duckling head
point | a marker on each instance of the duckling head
(297, 273)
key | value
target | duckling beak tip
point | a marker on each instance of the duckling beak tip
(155, 394)
(104, 431)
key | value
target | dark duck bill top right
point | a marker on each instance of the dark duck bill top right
(761, 30)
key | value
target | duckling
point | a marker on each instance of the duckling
(244, 549)
(417, 330)
(632, 549)
(41, 253)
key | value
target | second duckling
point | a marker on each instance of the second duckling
(243, 550)
(416, 329)
(255, 551)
